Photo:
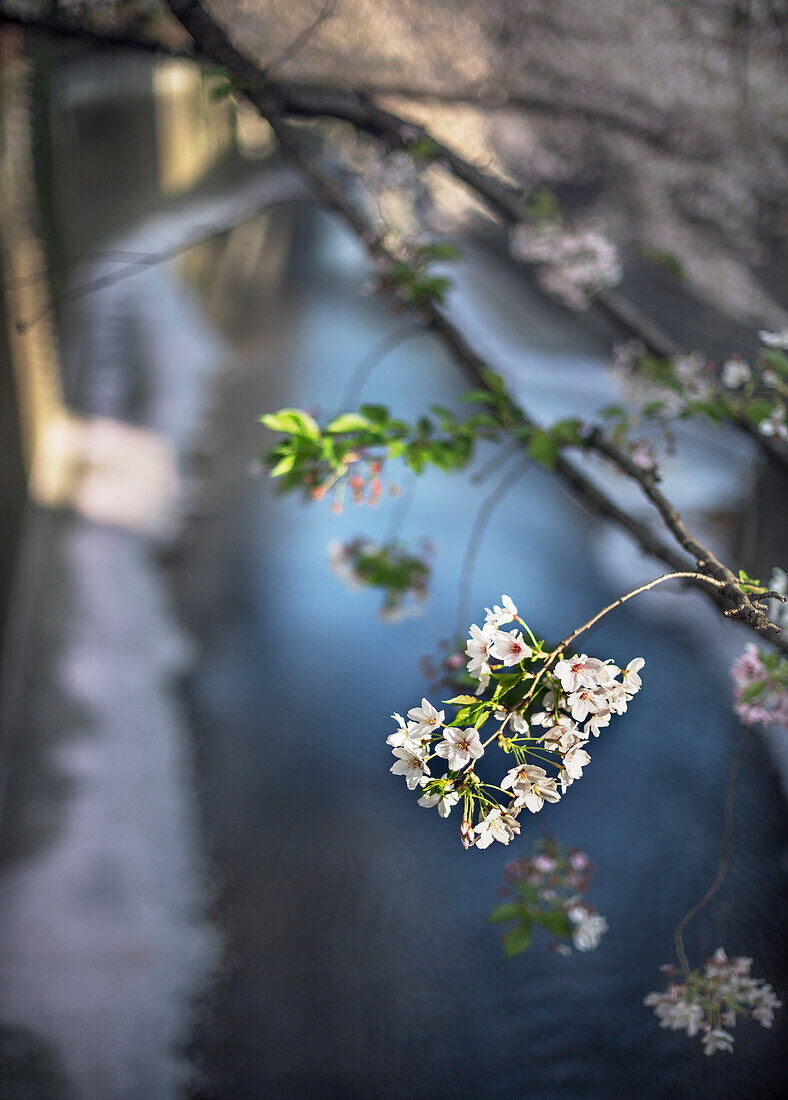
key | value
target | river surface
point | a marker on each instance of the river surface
(212, 886)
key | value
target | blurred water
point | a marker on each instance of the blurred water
(356, 959)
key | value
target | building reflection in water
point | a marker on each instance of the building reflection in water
(104, 931)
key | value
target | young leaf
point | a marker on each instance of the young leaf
(517, 940)
(292, 422)
(350, 422)
(509, 910)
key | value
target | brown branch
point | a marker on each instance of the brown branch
(313, 101)
(58, 27)
(744, 607)
(355, 107)
(722, 866)
(211, 40)
(665, 131)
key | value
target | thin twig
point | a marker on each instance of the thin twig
(483, 516)
(372, 359)
(611, 607)
(722, 866)
(399, 513)
(135, 267)
(301, 39)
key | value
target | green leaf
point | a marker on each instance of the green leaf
(543, 449)
(517, 940)
(350, 422)
(753, 690)
(494, 381)
(776, 359)
(283, 466)
(478, 397)
(758, 409)
(292, 422)
(666, 260)
(438, 251)
(542, 205)
(378, 414)
(465, 700)
(566, 432)
(423, 148)
(510, 910)
(556, 923)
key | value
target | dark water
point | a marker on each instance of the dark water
(361, 964)
(356, 959)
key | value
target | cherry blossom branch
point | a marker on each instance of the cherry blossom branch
(355, 107)
(722, 867)
(744, 607)
(684, 575)
(628, 596)
(212, 41)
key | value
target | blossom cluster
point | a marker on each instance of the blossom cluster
(707, 1001)
(683, 384)
(760, 687)
(402, 576)
(543, 710)
(546, 888)
(574, 264)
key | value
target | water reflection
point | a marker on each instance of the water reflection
(356, 961)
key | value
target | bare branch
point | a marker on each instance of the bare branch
(744, 607)
(722, 866)
(298, 43)
(483, 517)
(59, 27)
(212, 41)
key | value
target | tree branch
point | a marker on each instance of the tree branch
(355, 107)
(59, 27)
(212, 41)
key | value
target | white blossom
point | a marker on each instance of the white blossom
(588, 930)
(402, 734)
(497, 825)
(774, 339)
(575, 263)
(509, 647)
(459, 747)
(630, 678)
(735, 373)
(597, 721)
(500, 616)
(774, 424)
(425, 719)
(574, 762)
(522, 778)
(444, 800)
(579, 672)
(478, 650)
(411, 765)
(715, 1040)
(583, 702)
(516, 721)
(544, 790)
